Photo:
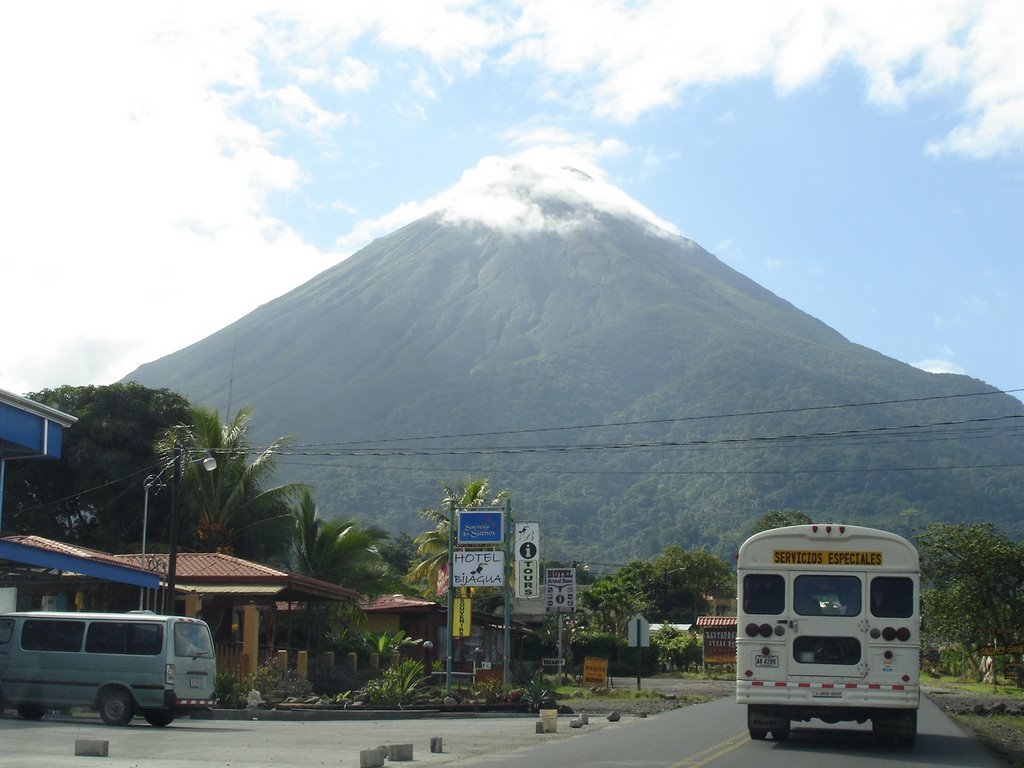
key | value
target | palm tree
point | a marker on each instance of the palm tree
(339, 551)
(231, 509)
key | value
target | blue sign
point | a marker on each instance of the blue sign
(485, 526)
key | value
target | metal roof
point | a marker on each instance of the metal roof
(30, 429)
(21, 558)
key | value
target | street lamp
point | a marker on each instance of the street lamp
(209, 464)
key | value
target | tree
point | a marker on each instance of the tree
(780, 518)
(339, 551)
(93, 495)
(232, 509)
(974, 585)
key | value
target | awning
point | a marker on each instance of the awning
(21, 560)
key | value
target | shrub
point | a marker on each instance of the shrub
(402, 683)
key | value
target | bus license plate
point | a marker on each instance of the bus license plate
(195, 682)
(766, 661)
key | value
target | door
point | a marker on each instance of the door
(828, 628)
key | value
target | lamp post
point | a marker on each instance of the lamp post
(209, 464)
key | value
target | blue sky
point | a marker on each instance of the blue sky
(169, 167)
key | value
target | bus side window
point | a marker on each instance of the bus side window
(764, 593)
(892, 597)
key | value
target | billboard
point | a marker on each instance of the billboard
(481, 526)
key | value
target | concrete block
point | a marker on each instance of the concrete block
(540, 727)
(614, 716)
(436, 744)
(399, 752)
(92, 747)
(371, 758)
(575, 723)
(585, 719)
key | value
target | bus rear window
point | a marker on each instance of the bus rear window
(129, 638)
(52, 635)
(764, 593)
(827, 595)
(892, 597)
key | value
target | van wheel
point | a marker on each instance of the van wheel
(116, 707)
(159, 717)
(31, 711)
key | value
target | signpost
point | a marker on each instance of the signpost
(560, 590)
(595, 671)
(481, 526)
(638, 635)
(480, 568)
(527, 551)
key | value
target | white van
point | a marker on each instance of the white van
(121, 664)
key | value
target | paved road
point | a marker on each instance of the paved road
(711, 735)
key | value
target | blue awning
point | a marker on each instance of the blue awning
(25, 558)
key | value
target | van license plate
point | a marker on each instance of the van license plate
(766, 661)
(195, 682)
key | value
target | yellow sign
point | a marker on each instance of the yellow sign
(462, 623)
(825, 557)
(595, 671)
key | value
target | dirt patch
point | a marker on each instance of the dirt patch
(997, 721)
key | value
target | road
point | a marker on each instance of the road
(711, 735)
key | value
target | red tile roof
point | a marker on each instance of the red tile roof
(399, 604)
(196, 569)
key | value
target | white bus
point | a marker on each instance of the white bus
(829, 627)
(121, 664)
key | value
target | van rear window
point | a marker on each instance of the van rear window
(52, 635)
(130, 638)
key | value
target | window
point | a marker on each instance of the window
(129, 638)
(827, 595)
(764, 593)
(892, 597)
(809, 649)
(52, 635)
(192, 640)
(6, 630)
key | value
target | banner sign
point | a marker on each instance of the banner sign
(442, 580)
(462, 618)
(527, 550)
(481, 526)
(719, 645)
(595, 671)
(484, 568)
(560, 590)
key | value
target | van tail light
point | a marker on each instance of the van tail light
(169, 674)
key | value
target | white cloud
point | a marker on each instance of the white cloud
(632, 58)
(938, 365)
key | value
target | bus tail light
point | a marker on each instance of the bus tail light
(169, 674)
(889, 634)
(903, 634)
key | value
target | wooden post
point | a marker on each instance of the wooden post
(302, 664)
(282, 660)
(251, 637)
(193, 604)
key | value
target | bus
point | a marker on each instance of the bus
(829, 627)
(121, 664)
